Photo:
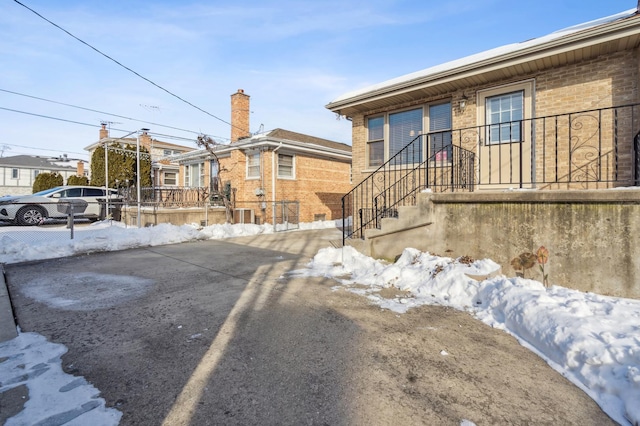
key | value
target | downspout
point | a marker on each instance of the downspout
(273, 183)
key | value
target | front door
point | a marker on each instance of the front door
(505, 152)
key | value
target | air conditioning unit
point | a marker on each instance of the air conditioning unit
(243, 216)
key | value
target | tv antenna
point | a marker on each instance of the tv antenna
(109, 123)
(150, 107)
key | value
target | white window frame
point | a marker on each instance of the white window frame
(292, 175)
(375, 141)
(175, 178)
(36, 172)
(507, 130)
(253, 165)
(189, 170)
(15, 173)
(527, 87)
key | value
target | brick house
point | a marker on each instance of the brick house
(277, 174)
(556, 112)
(165, 173)
(18, 173)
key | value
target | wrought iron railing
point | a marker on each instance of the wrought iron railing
(167, 196)
(591, 149)
(397, 182)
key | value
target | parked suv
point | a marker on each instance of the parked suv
(54, 203)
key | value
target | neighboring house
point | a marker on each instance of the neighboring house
(555, 112)
(277, 174)
(18, 173)
(164, 172)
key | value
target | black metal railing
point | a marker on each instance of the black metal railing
(166, 196)
(396, 183)
(591, 149)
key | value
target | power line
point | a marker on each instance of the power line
(124, 66)
(42, 149)
(94, 110)
(104, 112)
(93, 125)
(54, 118)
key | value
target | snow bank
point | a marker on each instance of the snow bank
(592, 340)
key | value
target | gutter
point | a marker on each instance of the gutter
(273, 182)
(297, 146)
(268, 143)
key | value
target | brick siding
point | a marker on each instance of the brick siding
(606, 81)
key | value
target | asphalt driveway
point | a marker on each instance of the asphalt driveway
(212, 333)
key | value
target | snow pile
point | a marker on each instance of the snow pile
(20, 244)
(592, 340)
(54, 396)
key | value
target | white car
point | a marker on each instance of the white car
(55, 203)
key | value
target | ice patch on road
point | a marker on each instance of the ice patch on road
(54, 396)
(85, 291)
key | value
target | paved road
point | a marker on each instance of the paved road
(210, 333)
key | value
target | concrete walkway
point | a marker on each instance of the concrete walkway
(215, 333)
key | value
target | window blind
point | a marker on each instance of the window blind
(404, 127)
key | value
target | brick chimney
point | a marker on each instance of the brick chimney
(239, 116)
(145, 140)
(80, 168)
(104, 133)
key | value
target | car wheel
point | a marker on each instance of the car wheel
(30, 215)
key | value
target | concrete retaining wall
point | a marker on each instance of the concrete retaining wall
(593, 237)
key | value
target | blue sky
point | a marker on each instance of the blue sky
(291, 57)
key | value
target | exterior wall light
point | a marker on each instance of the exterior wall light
(463, 102)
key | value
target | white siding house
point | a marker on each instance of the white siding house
(17, 173)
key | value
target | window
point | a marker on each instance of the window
(14, 173)
(71, 192)
(504, 114)
(36, 173)
(404, 127)
(375, 141)
(169, 178)
(389, 134)
(93, 192)
(194, 175)
(253, 165)
(440, 132)
(285, 166)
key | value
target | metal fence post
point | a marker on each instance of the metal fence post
(70, 216)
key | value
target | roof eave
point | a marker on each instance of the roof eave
(308, 147)
(574, 41)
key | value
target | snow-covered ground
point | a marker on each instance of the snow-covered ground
(19, 243)
(592, 340)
